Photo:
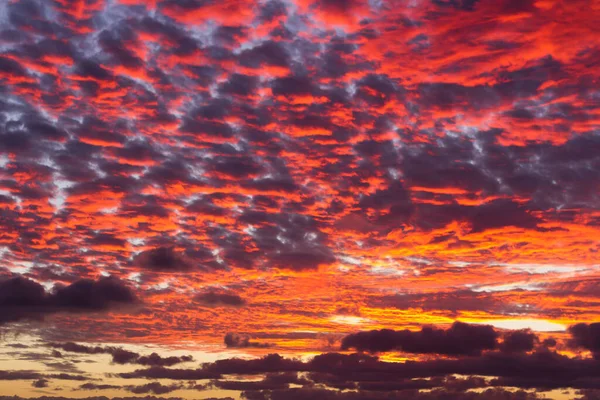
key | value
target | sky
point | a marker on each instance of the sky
(300, 199)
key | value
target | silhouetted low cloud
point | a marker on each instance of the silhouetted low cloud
(122, 356)
(236, 340)
(586, 336)
(437, 394)
(519, 341)
(542, 369)
(23, 298)
(459, 339)
(30, 375)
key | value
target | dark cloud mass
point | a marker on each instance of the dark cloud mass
(459, 339)
(216, 299)
(586, 336)
(163, 259)
(541, 369)
(520, 341)
(22, 298)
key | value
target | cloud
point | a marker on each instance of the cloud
(122, 356)
(306, 394)
(586, 336)
(542, 369)
(155, 359)
(22, 298)
(302, 259)
(430, 160)
(30, 375)
(153, 387)
(271, 381)
(213, 298)
(94, 386)
(519, 341)
(40, 383)
(459, 339)
(96, 397)
(235, 340)
(163, 259)
(87, 294)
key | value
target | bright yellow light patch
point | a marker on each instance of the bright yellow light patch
(538, 325)
(348, 320)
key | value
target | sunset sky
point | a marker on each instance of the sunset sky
(300, 199)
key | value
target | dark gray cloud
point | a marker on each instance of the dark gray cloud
(542, 369)
(586, 336)
(122, 356)
(164, 259)
(214, 298)
(22, 298)
(459, 339)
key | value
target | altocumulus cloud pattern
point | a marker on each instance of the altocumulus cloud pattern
(300, 199)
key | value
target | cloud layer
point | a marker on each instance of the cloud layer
(300, 177)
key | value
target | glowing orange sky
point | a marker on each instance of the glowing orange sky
(296, 171)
